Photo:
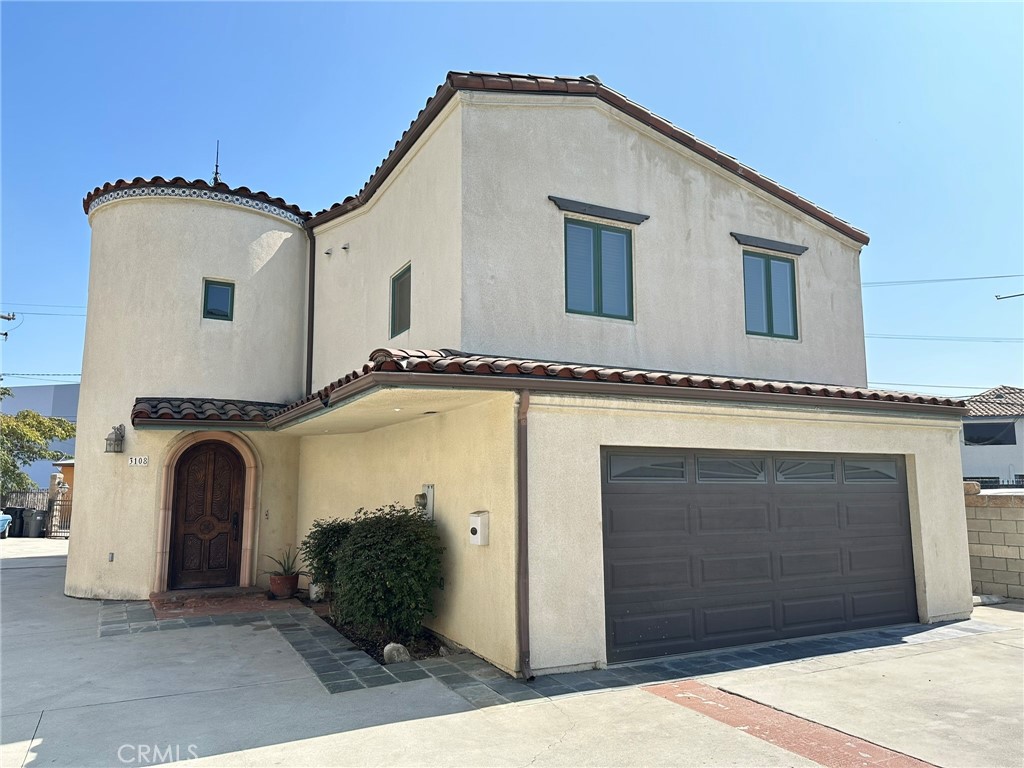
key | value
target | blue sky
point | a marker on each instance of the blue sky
(905, 120)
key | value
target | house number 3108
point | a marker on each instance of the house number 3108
(138, 461)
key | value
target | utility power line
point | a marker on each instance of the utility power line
(937, 280)
(974, 339)
(24, 304)
(54, 314)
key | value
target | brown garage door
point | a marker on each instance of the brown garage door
(706, 549)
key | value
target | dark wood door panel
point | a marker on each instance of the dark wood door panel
(207, 511)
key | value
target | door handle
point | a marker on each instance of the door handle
(234, 526)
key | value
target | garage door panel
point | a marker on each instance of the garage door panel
(795, 518)
(734, 570)
(873, 560)
(737, 518)
(664, 573)
(665, 627)
(811, 564)
(693, 565)
(727, 621)
(877, 515)
(817, 613)
(869, 605)
(630, 516)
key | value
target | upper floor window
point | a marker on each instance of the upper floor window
(598, 270)
(401, 301)
(990, 433)
(769, 295)
(218, 300)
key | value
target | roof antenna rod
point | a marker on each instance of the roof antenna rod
(216, 165)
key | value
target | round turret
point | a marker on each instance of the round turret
(195, 291)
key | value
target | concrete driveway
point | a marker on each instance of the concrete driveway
(241, 695)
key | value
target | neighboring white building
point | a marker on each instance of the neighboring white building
(703, 466)
(59, 400)
(992, 439)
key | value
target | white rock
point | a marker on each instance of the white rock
(395, 653)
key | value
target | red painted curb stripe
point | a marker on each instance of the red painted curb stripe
(825, 746)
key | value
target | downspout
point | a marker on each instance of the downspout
(523, 569)
(309, 308)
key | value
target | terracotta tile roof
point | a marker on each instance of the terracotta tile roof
(517, 373)
(148, 409)
(573, 86)
(998, 401)
(448, 361)
(198, 184)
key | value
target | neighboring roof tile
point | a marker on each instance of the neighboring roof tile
(197, 184)
(579, 86)
(998, 401)
(203, 409)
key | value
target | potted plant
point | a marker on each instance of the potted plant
(284, 580)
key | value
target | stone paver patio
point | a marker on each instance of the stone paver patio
(340, 666)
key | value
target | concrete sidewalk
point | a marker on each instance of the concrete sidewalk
(232, 695)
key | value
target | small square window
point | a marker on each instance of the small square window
(769, 295)
(218, 300)
(401, 301)
(598, 270)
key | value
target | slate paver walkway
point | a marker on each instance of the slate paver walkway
(340, 666)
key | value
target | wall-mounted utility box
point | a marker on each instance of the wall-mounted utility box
(425, 500)
(479, 528)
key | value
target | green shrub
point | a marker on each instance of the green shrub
(320, 548)
(387, 570)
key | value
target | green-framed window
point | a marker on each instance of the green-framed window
(769, 295)
(401, 300)
(598, 270)
(218, 300)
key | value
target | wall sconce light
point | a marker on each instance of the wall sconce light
(115, 440)
(328, 252)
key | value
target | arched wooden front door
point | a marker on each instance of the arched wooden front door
(206, 530)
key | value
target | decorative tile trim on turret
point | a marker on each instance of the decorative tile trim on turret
(197, 190)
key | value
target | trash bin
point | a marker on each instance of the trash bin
(35, 523)
(17, 526)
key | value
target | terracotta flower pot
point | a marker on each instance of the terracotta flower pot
(284, 586)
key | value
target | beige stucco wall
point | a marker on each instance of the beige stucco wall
(118, 510)
(145, 336)
(145, 331)
(688, 279)
(415, 217)
(565, 540)
(469, 455)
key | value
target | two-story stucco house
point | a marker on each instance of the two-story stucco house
(641, 359)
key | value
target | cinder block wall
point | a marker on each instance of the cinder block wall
(995, 536)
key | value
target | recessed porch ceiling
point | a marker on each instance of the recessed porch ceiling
(385, 407)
